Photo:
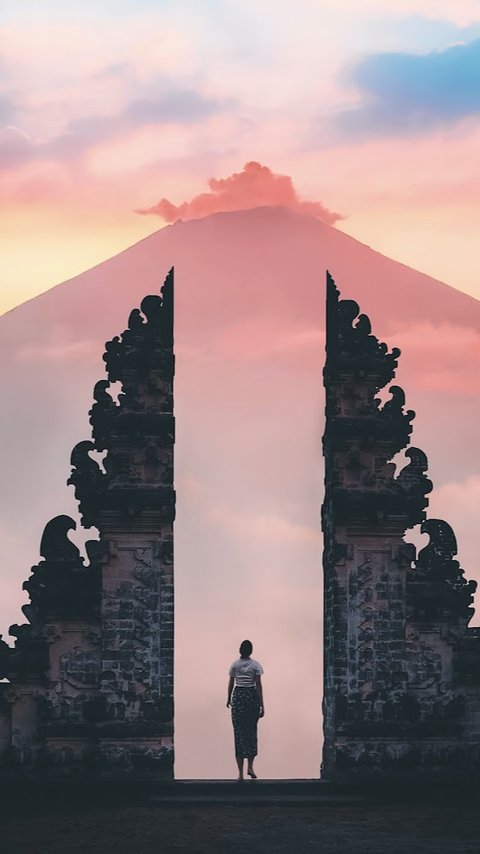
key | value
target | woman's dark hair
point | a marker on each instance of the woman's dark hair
(246, 648)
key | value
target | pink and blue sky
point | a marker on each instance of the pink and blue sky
(108, 108)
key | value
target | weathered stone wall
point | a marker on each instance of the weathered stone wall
(137, 653)
(5, 720)
(402, 671)
(65, 727)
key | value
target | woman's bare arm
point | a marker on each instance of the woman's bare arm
(229, 690)
(258, 686)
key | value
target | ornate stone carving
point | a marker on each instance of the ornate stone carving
(88, 479)
(353, 351)
(414, 486)
(139, 432)
(61, 585)
(28, 659)
(437, 585)
(145, 345)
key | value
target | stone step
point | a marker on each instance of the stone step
(259, 791)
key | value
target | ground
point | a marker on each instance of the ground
(57, 824)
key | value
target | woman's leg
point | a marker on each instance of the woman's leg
(254, 715)
(240, 766)
(238, 720)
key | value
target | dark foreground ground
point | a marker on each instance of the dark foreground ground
(100, 822)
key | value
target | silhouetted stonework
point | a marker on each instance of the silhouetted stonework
(90, 690)
(401, 666)
(90, 677)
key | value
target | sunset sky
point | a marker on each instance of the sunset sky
(371, 107)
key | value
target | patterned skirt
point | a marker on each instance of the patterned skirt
(245, 712)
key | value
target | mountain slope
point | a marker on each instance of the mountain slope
(249, 252)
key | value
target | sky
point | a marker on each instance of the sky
(113, 115)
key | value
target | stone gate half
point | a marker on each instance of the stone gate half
(401, 666)
(90, 678)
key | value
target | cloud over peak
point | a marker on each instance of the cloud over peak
(254, 186)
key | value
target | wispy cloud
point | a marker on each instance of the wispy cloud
(460, 12)
(442, 357)
(6, 109)
(173, 106)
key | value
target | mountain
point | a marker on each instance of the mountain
(249, 330)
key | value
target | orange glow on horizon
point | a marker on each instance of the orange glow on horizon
(60, 246)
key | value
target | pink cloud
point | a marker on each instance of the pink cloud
(255, 338)
(255, 186)
(58, 352)
(441, 357)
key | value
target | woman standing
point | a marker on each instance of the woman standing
(247, 706)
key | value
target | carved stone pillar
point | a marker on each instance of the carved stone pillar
(90, 690)
(392, 624)
(133, 505)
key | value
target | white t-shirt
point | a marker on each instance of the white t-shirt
(244, 671)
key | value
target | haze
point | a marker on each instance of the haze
(249, 406)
